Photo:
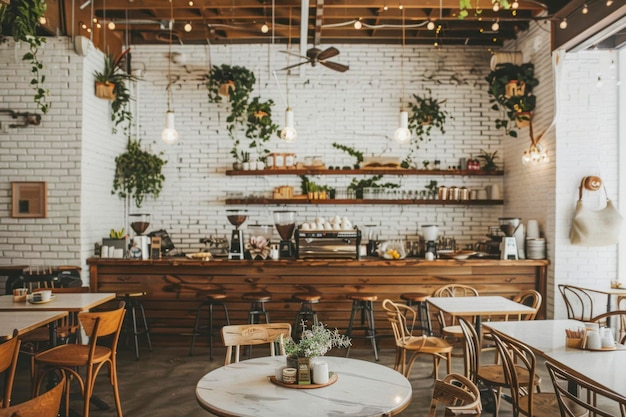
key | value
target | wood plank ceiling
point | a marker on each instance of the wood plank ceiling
(327, 21)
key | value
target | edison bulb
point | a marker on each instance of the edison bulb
(563, 24)
(496, 6)
(495, 27)
(289, 134)
(515, 4)
(585, 9)
(430, 25)
(111, 25)
(265, 28)
(188, 27)
(169, 135)
(358, 25)
(402, 134)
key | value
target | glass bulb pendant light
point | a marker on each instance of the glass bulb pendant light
(169, 135)
(402, 134)
(289, 133)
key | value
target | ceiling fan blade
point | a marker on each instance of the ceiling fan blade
(328, 53)
(293, 66)
(335, 66)
(293, 54)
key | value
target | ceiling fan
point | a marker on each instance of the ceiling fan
(315, 56)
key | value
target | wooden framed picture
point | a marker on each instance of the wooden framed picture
(29, 199)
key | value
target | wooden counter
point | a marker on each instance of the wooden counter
(171, 308)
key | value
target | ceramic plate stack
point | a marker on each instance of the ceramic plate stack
(536, 248)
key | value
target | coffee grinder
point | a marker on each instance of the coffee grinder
(236, 218)
(141, 243)
(509, 225)
(285, 222)
(430, 234)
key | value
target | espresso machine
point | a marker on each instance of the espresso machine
(430, 233)
(285, 222)
(509, 226)
(236, 218)
(141, 243)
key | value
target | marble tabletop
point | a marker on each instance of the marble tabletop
(26, 321)
(62, 302)
(362, 389)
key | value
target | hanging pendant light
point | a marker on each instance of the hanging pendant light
(289, 133)
(169, 135)
(402, 134)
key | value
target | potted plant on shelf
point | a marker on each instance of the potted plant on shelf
(359, 186)
(489, 159)
(21, 19)
(138, 173)
(511, 90)
(110, 84)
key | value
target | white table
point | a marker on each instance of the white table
(26, 321)
(480, 306)
(71, 302)
(362, 389)
(547, 339)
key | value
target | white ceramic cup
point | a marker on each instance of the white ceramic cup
(594, 341)
(495, 193)
(117, 253)
(607, 337)
(320, 373)
(532, 229)
(43, 295)
(104, 252)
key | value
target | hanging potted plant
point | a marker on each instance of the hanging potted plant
(110, 84)
(21, 19)
(259, 128)
(138, 173)
(426, 113)
(511, 90)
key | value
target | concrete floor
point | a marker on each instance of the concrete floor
(162, 382)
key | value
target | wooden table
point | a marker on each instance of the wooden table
(479, 306)
(362, 389)
(26, 321)
(547, 339)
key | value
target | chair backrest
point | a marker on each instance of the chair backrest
(591, 397)
(236, 336)
(519, 365)
(44, 405)
(578, 301)
(458, 394)
(9, 352)
(472, 349)
(103, 323)
(530, 298)
(456, 290)
(601, 319)
(402, 318)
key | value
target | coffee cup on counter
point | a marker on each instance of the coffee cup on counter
(42, 296)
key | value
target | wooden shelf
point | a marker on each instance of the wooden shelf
(365, 171)
(262, 201)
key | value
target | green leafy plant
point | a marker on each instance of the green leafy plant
(112, 73)
(138, 173)
(259, 128)
(432, 188)
(426, 113)
(373, 182)
(315, 341)
(512, 105)
(350, 151)
(21, 19)
(489, 160)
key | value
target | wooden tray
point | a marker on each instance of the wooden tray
(331, 380)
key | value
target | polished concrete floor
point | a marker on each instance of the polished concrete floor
(162, 382)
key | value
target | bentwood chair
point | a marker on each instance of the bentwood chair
(236, 336)
(519, 364)
(458, 394)
(9, 352)
(45, 405)
(596, 400)
(578, 301)
(103, 329)
(402, 318)
(449, 326)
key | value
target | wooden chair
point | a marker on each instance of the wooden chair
(578, 301)
(253, 334)
(620, 315)
(9, 352)
(458, 394)
(530, 298)
(596, 400)
(98, 326)
(402, 318)
(449, 327)
(519, 364)
(45, 405)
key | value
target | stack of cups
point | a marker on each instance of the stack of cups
(535, 246)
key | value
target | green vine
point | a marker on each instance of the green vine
(112, 73)
(21, 19)
(138, 173)
(350, 151)
(373, 182)
(259, 126)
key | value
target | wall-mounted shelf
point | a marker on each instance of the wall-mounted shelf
(365, 171)
(262, 201)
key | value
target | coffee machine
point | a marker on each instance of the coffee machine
(430, 234)
(285, 222)
(236, 218)
(509, 226)
(141, 243)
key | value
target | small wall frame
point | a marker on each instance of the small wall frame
(29, 199)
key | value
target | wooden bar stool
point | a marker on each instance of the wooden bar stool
(257, 301)
(365, 304)
(306, 311)
(133, 304)
(420, 301)
(211, 299)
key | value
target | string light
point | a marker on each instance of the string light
(357, 24)
(496, 26)
(43, 20)
(609, 3)
(496, 6)
(515, 4)
(563, 24)
(188, 27)
(585, 9)
(111, 25)
(535, 154)
(430, 25)
(265, 28)
(191, 2)
(402, 7)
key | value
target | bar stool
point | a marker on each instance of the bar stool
(420, 301)
(365, 304)
(133, 304)
(306, 311)
(212, 298)
(257, 302)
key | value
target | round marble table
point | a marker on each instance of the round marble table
(362, 389)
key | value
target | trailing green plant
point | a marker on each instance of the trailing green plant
(112, 73)
(432, 188)
(259, 128)
(350, 151)
(358, 185)
(426, 113)
(489, 159)
(508, 105)
(21, 19)
(138, 173)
